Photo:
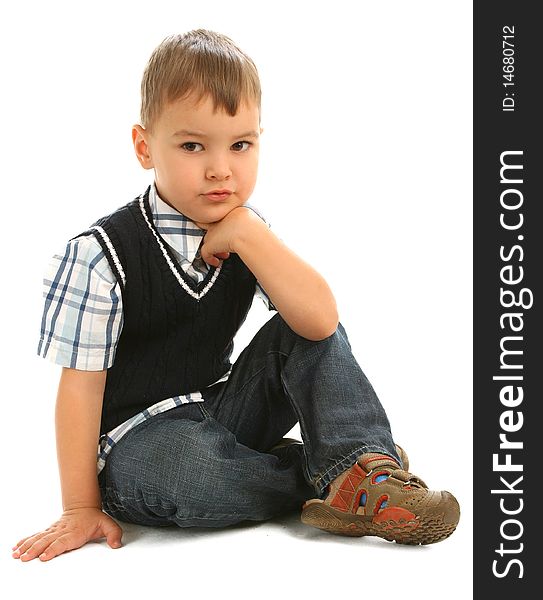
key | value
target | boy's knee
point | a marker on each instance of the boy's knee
(342, 331)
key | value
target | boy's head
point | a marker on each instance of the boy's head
(200, 123)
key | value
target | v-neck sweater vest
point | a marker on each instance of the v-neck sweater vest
(177, 335)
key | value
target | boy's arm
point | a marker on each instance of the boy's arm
(77, 419)
(77, 416)
(300, 294)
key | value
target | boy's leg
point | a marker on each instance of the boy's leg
(349, 456)
(180, 467)
(281, 378)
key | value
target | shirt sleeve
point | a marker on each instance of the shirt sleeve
(259, 290)
(82, 315)
(260, 293)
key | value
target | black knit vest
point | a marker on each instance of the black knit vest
(174, 339)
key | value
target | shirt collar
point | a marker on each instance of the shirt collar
(177, 230)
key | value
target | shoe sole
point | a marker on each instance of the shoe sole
(394, 525)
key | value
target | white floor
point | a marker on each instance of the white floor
(279, 558)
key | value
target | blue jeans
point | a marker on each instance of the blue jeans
(208, 463)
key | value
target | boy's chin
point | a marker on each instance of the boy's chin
(208, 219)
(204, 222)
(212, 216)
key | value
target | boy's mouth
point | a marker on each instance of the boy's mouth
(218, 194)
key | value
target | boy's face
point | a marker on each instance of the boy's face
(195, 151)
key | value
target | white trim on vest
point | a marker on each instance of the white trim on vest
(183, 283)
(111, 249)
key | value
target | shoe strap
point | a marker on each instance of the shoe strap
(408, 478)
(369, 461)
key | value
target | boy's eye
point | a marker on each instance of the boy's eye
(238, 146)
(189, 146)
(238, 143)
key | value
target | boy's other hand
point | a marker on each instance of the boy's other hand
(221, 236)
(74, 529)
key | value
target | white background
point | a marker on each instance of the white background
(366, 173)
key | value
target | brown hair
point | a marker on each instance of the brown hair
(199, 62)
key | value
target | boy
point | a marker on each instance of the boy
(141, 312)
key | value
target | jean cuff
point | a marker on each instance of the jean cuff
(324, 479)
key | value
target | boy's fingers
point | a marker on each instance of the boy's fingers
(211, 260)
(113, 533)
(215, 259)
(114, 540)
(23, 540)
(37, 547)
(26, 543)
(58, 546)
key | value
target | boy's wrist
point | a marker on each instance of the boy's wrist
(85, 507)
(91, 500)
(251, 229)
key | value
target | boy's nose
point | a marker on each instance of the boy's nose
(218, 169)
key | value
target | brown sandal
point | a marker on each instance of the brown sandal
(376, 497)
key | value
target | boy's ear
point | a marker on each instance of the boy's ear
(141, 146)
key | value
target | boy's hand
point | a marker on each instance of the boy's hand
(221, 237)
(74, 529)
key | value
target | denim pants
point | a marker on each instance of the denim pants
(209, 464)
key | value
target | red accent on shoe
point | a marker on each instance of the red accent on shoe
(356, 504)
(358, 470)
(379, 502)
(400, 516)
(344, 496)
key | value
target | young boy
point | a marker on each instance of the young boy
(141, 312)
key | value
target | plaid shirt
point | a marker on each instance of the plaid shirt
(83, 314)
